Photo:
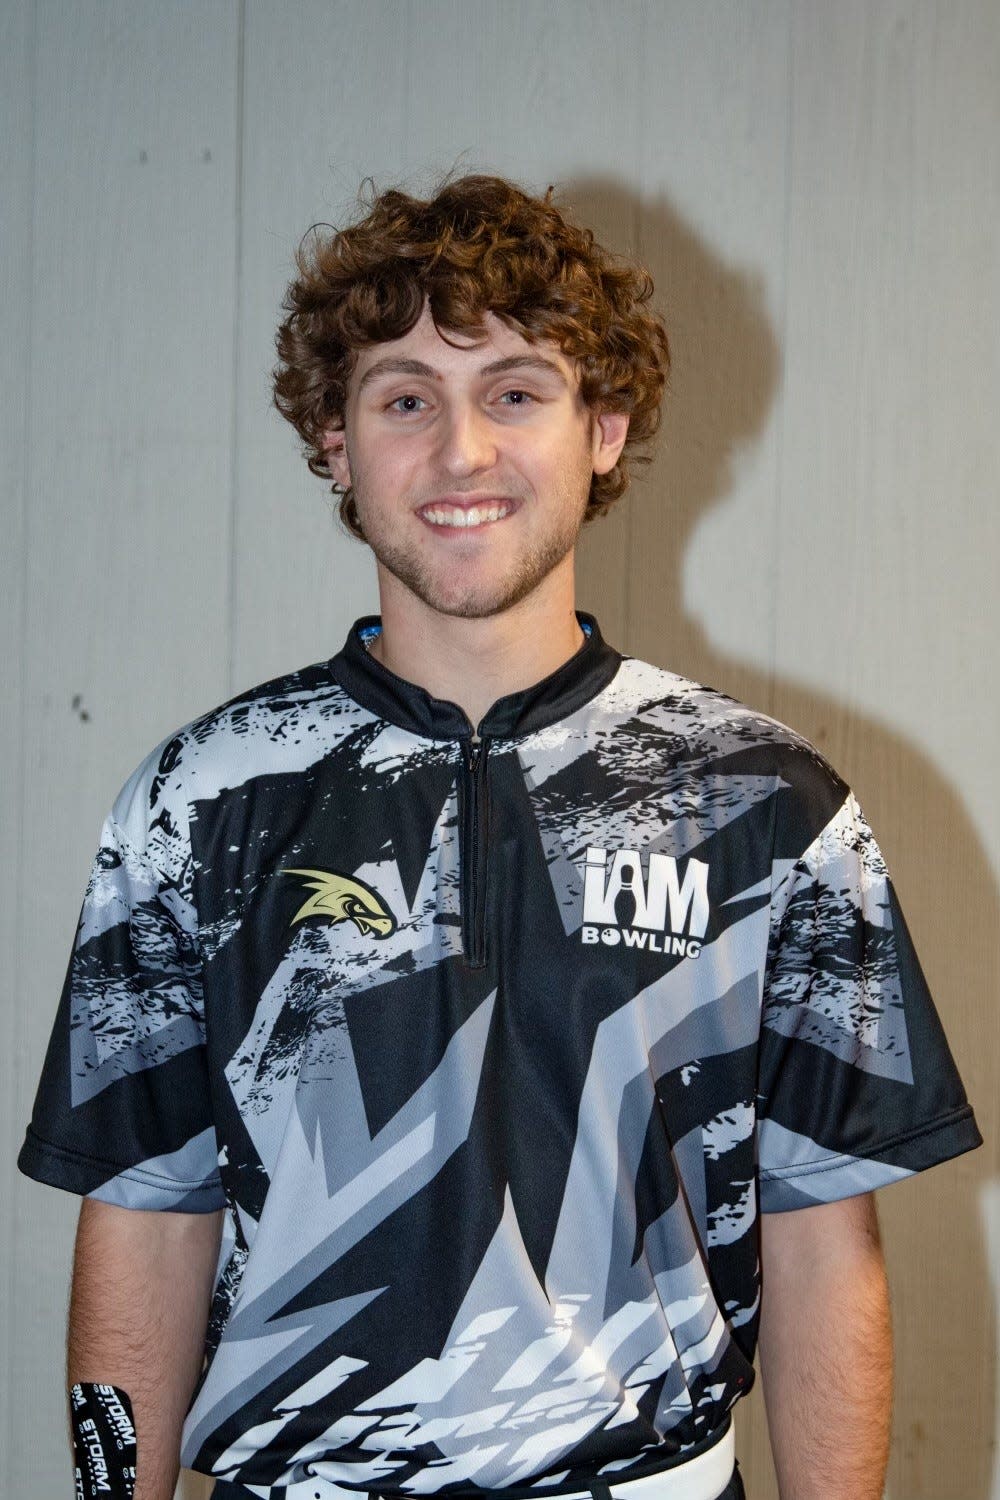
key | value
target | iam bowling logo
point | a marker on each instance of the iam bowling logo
(655, 909)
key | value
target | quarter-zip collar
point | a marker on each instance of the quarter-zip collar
(370, 683)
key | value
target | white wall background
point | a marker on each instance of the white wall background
(815, 189)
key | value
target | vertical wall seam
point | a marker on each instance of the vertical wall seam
(27, 482)
(234, 452)
(407, 92)
(27, 475)
(779, 468)
(628, 592)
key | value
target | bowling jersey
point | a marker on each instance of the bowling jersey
(493, 1043)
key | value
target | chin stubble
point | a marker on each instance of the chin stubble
(477, 602)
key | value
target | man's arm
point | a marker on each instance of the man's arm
(826, 1350)
(142, 1288)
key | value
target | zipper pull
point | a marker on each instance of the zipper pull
(475, 749)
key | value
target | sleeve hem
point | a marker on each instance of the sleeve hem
(965, 1139)
(74, 1171)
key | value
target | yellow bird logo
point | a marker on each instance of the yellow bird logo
(342, 897)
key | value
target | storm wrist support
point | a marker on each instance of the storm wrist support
(103, 1442)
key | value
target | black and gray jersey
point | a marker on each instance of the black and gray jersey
(492, 1043)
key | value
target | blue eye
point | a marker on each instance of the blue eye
(405, 398)
(523, 394)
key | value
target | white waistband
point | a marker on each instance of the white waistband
(703, 1477)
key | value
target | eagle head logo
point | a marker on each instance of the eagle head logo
(342, 898)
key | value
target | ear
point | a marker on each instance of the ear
(609, 434)
(335, 449)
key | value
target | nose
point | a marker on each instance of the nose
(468, 440)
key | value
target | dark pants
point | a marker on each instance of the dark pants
(734, 1489)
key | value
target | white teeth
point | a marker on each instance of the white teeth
(474, 516)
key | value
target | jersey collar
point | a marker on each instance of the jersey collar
(412, 707)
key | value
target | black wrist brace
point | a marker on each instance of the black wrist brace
(103, 1442)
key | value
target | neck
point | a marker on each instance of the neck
(473, 662)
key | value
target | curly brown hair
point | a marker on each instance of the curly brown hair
(480, 244)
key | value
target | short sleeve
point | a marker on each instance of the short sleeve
(123, 1112)
(857, 1086)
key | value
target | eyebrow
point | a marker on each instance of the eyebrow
(401, 366)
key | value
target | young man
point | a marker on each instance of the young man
(486, 981)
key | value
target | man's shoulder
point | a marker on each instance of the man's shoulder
(279, 726)
(276, 713)
(714, 731)
(668, 695)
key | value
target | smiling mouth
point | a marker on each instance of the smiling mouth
(465, 517)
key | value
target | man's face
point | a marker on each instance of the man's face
(493, 433)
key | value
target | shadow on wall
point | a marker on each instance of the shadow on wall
(726, 375)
